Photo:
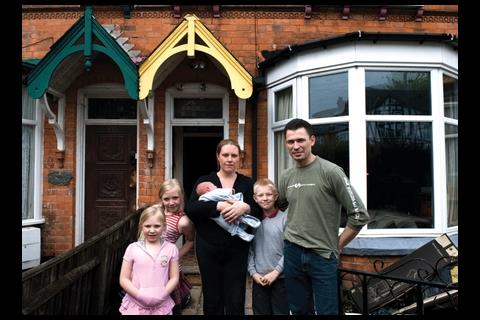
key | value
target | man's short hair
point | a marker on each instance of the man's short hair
(297, 123)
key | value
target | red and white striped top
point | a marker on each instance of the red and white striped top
(172, 233)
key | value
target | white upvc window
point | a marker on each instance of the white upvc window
(389, 120)
(32, 156)
(282, 100)
(450, 102)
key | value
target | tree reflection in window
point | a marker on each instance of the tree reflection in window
(398, 92)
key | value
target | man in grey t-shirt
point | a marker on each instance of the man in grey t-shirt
(315, 190)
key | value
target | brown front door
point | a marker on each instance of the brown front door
(109, 166)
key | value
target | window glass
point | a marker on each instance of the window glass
(283, 159)
(103, 108)
(332, 144)
(28, 154)
(398, 92)
(191, 108)
(450, 97)
(399, 178)
(451, 149)
(283, 104)
(328, 95)
(28, 151)
(28, 106)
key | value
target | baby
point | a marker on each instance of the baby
(210, 192)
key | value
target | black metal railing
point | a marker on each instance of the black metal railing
(387, 292)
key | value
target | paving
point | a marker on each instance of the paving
(195, 307)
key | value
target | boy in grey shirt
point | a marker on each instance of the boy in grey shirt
(265, 259)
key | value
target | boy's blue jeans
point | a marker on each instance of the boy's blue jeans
(311, 281)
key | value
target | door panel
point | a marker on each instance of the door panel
(109, 193)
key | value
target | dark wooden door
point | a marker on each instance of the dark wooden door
(109, 166)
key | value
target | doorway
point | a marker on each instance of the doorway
(196, 121)
(194, 153)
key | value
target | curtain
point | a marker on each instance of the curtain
(451, 147)
(283, 104)
(283, 111)
(27, 172)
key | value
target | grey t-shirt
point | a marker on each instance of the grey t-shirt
(266, 250)
(315, 195)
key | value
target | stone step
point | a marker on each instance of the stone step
(195, 307)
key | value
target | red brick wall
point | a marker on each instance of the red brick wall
(243, 33)
(364, 263)
(262, 130)
(58, 232)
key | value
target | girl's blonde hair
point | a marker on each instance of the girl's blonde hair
(147, 213)
(171, 184)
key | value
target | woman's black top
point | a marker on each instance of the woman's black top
(201, 212)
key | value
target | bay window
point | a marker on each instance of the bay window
(381, 121)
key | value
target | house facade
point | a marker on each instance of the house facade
(116, 99)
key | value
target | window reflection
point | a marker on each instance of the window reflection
(328, 95)
(103, 108)
(398, 92)
(332, 145)
(194, 108)
(399, 181)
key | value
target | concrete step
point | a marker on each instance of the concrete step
(195, 307)
(191, 271)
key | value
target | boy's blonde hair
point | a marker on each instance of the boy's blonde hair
(171, 184)
(147, 213)
(264, 182)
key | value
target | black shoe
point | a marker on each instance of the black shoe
(186, 300)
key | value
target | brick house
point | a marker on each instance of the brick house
(118, 98)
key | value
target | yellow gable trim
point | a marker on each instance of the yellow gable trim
(240, 79)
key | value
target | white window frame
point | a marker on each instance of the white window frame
(275, 126)
(192, 90)
(443, 164)
(356, 58)
(37, 162)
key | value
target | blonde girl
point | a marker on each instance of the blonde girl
(150, 269)
(172, 199)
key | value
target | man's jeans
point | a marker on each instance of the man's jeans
(311, 281)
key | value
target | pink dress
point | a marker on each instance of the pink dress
(148, 272)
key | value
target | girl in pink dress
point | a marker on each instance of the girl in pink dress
(149, 270)
(172, 199)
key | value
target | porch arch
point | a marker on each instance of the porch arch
(191, 26)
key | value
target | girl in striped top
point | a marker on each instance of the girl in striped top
(172, 199)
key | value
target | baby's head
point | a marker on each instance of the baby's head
(204, 187)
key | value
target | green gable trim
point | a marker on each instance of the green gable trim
(77, 39)
(31, 61)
